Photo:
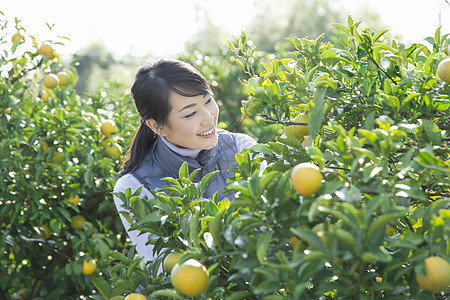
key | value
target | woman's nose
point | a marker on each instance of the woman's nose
(207, 117)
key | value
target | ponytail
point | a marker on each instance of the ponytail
(143, 140)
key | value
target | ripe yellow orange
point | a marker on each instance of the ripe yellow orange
(108, 127)
(443, 70)
(89, 267)
(113, 150)
(47, 50)
(298, 131)
(306, 178)
(44, 96)
(190, 278)
(135, 296)
(77, 222)
(51, 81)
(58, 156)
(170, 261)
(437, 277)
(75, 199)
(64, 78)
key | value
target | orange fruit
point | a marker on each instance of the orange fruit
(190, 278)
(77, 222)
(75, 199)
(108, 127)
(170, 261)
(58, 156)
(44, 96)
(437, 277)
(135, 296)
(51, 81)
(17, 37)
(47, 50)
(89, 267)
(443, 70)
(106, 141)
(113, 150)
(306, 178)
(298, 131)
(64, 78)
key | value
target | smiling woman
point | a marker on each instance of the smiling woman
(179, 119)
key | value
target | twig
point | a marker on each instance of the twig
(23, 72)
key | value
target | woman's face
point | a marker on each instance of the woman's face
(192, 122)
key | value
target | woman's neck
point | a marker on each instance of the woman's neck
(192, 153)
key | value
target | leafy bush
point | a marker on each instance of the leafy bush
(53, 168)
(379, 125)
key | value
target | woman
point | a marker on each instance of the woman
(178, 124)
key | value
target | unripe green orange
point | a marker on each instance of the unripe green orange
(64, 78)
(113, 150)
(77, 222)
(443, 70)
(170, 261)
(58, 156)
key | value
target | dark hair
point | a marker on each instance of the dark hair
(151, 90)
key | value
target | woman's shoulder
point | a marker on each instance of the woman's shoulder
(243, 141)
(126, 181)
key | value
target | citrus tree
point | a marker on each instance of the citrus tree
(58, 164)
(351, 201)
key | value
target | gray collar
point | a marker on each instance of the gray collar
(171, 161)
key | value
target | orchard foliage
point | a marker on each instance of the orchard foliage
(53, 168)
(379, 124)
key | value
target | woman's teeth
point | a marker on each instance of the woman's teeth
(207, 133)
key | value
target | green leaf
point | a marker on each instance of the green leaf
(380, 222)
(379, 34)
(211, 208)
(262, 244)
(206, 179)
(316, 113)
(132, 267)
(183, 172)
(167, 293)
(240, 295)
(102, 286)
(193, 229)
(215, 227)
(341, 27)
(432, 131)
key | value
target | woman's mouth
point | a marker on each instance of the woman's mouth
(208, 133)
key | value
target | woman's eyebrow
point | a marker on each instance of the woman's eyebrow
(188, 106)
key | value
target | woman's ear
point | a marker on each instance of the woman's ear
(156, 127)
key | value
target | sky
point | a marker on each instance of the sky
(161, 27)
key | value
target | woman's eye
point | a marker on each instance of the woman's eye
(209, 100)
(190, 115)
